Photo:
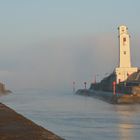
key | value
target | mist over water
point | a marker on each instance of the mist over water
(75, 117)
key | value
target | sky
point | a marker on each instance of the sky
(48, 44)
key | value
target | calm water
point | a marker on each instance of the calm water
(75, 117)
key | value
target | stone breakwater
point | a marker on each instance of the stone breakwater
(14, 126)
(119, 98)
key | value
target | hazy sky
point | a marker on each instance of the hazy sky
(51, 43)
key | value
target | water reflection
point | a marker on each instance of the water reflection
(78, 117)
(126, 124)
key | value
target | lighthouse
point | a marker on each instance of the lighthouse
(124, 69)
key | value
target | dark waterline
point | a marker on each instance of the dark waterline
(75, 117)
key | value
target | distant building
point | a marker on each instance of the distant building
(124, 70)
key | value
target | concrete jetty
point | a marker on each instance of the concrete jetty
(14, 126)
(109, 97)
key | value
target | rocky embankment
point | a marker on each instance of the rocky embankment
(3, 90)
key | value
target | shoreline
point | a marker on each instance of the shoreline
(14, 126)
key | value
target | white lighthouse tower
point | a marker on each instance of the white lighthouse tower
(124, 69)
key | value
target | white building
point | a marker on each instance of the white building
(125, 69)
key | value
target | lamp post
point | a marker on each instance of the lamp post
(73, 86)
(85, 83)
(97, 79)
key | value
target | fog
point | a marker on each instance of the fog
(49, 45)
(56, 63)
